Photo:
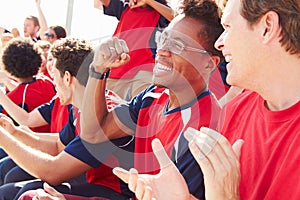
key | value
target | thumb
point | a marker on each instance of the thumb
(50, 190)
(237, 146)
(122, 174)
(160, 154)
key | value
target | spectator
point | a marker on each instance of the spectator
(22, 59)
(55, 33)
(137, 26)
(45, 47)
(54, 158)
(31, 28)
(179, 97)
(52, 113)
(266, 116)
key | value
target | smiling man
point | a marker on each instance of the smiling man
(178, 98)
(60, 157)
(261, 43)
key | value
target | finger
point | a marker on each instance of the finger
(148, 194)
(210, 148)
(35, 197)
(222, 141)
(125, 57)
(50, 190)
(124, 46)
(160, 154)
(213, 134)
(3, 115)
(107, 49)
(200, 157)
(237, 146)
(118, 46)
(40, 193)
(132, 181)
(191, 133)
(122, 174)
(140, 189)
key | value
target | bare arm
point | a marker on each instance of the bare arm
(1, 30)
(103, 2)
(40, 164)
(42, 19)
(32, 119)
(164, 10)
(97, 124)
(8, 82)
(46, 142)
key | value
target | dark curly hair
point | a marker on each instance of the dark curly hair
(205, 11)
(73, 55)
(22, 58)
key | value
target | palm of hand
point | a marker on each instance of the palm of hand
(168, 184)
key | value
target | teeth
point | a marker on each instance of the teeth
(228, 58)
(163, 67)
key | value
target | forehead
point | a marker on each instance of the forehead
(51, 31)
(181, 27)
(232, 8)
(28, 21)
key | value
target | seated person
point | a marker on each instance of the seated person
(21, 60)
(41, 155)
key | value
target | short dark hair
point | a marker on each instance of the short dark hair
(59, 31)
(22, 57)
(205, 11)
(73, 55)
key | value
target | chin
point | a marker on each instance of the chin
(160, 86)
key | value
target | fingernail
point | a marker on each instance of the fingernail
(190, 133)
(199, 154)
(204, 129)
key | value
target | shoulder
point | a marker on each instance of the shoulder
(242, 100)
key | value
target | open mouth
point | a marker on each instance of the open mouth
(160, 67)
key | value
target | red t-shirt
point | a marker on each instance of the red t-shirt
(33, 94)
(270, 156)
(136, 27)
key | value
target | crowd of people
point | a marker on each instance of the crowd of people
(198, 102)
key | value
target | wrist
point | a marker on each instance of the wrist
(99, 75)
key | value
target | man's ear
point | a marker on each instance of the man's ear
(36, 29)
(270, 28)
(213, 63)
(68, 78)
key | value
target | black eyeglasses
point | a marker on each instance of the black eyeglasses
(50, 35)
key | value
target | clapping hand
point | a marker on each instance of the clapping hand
(167, 184)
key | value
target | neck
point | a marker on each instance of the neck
(77, 97)
(24, 80)
(183, 97)
(280, 88)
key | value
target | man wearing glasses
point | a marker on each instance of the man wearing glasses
(179, 97)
